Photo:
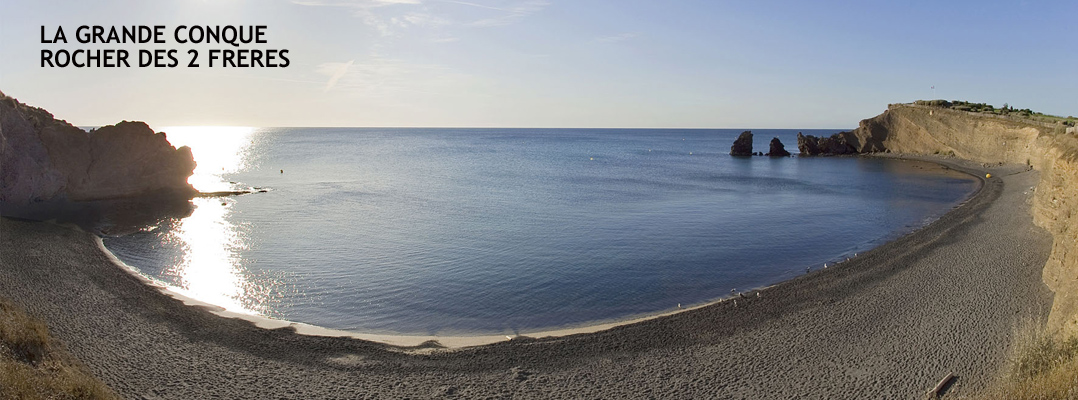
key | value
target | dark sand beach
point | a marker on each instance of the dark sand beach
(889, 323)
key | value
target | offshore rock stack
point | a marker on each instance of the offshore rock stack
(743, 145)
(777, 149)
(837, 144)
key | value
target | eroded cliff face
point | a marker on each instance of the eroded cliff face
(44, 160)
(987, 139)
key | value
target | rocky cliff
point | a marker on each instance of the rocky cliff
(1049, 148)
(44, 160)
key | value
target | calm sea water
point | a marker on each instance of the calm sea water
(467, 231)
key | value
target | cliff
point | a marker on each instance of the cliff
(1048, 148)
(46, 161)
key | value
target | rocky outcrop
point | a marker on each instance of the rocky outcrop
(743, 145)
(44, 160)
(837, 144)
(807, 145)
(778, 149)
(1048, 148)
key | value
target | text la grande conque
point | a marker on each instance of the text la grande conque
(230, 35)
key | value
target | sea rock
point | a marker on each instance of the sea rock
(777, 149)
(807, 145)
(743, 145)
(45, 160)
(837, 144)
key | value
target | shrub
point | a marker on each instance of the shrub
(1042, 366)
(933, 103)
(33, 367)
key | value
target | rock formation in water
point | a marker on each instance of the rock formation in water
(45, 160)
(743, 145)
(806, 145)
(777, 149)
(837, 144)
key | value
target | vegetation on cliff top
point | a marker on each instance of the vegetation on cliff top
(34, 366)
(1006, 110)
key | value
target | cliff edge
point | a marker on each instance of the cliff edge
(1048, 148)
(44, 160)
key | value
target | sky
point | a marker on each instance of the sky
(556, 63)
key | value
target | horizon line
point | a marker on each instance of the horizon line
(466, 127)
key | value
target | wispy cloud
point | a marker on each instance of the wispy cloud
(388, 16)
(336, 71)
(421, 19)
(616, 38)
(353, 3)
(381, 15)
(510, 13)
(379, 77)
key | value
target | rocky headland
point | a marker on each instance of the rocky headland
(48, 164)
(1051, 148)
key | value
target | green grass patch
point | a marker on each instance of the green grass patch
(985, 108)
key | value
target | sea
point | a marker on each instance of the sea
(419, 231)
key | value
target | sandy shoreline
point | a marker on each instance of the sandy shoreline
(420, 343)
(455, 341)
(890, 323)
(415, 341)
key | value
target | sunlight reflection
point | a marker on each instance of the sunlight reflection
(218, 150)
(210, 269)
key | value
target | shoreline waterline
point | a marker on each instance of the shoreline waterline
(404, 341)
(392, 231)
(453, 342)
(890, 312)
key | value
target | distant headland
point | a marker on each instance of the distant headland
(984, 134)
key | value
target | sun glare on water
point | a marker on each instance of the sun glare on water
(218, 150)
(211, 267)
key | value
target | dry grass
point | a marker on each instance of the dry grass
(1042, 367)
(33, 366)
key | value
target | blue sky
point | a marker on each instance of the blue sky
(559, 63)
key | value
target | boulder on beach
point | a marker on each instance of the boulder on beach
(743, 145)
(777, 149)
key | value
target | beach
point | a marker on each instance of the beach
(889, 323)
